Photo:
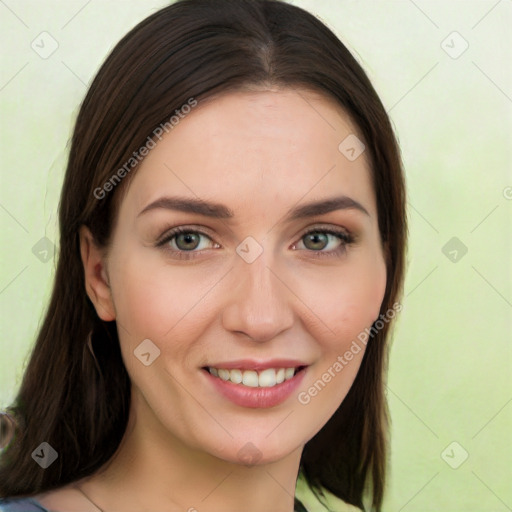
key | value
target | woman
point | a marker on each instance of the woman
(232, 236)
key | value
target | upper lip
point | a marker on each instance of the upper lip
(253, 364)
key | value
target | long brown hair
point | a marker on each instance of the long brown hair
(79, 404)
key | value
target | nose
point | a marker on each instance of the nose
(259, 301)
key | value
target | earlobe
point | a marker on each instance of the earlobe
(96, 276)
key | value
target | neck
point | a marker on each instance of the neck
(154, 470)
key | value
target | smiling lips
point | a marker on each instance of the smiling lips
(252, 373)
(251, 378)
(256, 384)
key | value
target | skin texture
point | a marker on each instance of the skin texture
(260, 153)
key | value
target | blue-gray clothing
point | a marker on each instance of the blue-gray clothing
(31, 505)
(21, 505)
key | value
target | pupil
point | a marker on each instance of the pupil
(188, 238)
(317, 238)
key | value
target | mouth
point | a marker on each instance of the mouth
(255, 385)
(266, 378)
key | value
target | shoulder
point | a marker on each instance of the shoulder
(58, 500)
(21, 505)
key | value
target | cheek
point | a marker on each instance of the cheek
(169, 305)
(152, 298)
(348, 303)
(344, 301)
(155, 301)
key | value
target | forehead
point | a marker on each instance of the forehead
(257, 147)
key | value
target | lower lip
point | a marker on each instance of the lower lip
(246, 396)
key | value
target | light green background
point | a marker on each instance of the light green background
(450, 369)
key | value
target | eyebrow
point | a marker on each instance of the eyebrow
(220, 211)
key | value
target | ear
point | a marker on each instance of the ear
(96, 276)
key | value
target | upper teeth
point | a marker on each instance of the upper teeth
(263, 379)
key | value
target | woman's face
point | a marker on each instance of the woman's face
(244, 288)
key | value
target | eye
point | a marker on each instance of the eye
(318, 239)
(180, 241)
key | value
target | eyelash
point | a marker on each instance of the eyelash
(345, 238)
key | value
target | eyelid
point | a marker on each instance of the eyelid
(176, 230)
(343, 234)
(329, 228)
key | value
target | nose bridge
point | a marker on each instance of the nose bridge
(259, 303)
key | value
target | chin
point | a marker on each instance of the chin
(255, 450)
